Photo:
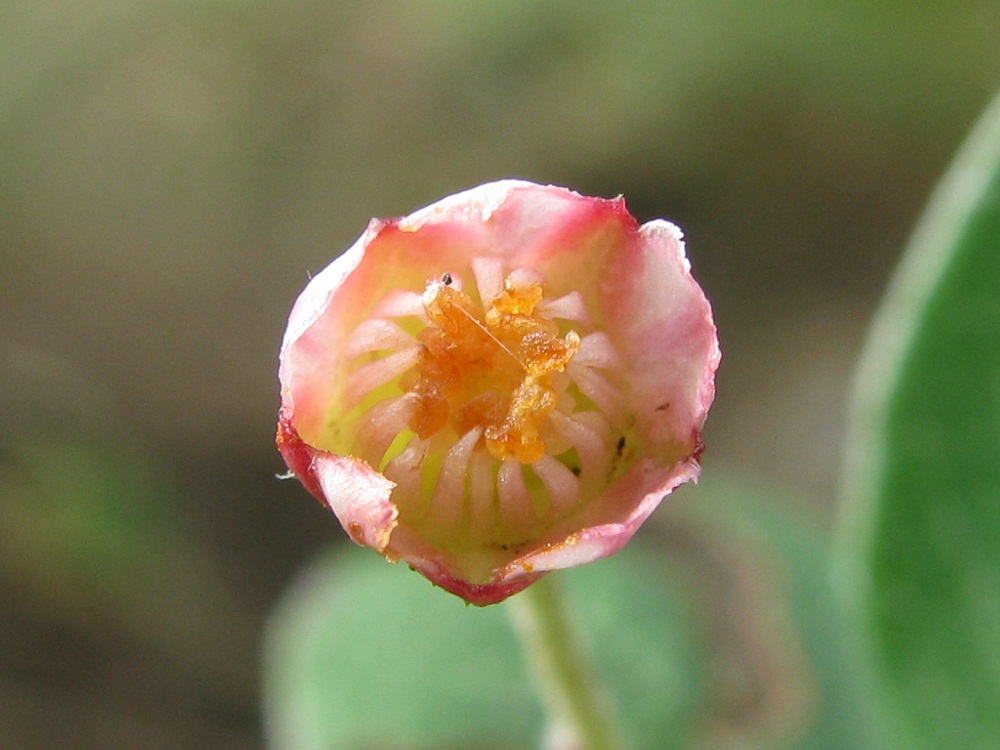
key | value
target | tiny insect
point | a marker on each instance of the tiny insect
(446, 279)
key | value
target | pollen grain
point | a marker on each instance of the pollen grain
(492, 369)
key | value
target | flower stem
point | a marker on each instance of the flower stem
(580, 713)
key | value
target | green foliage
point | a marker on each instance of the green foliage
(715, 629)
(921, 551)
(363, 654)
(91, 539)
(779, 625)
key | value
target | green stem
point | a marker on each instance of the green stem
(580, 712)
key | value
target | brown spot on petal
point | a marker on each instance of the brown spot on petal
(355, 532)
(699, 446)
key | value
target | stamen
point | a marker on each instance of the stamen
(381, 424)
(522, 278)
(446, 505)
(567, 402)
(399, 304)
(440, 307)
(546, 354)
(377, 334)
(507, 379)
(518, 435)
(562, 484)
(568, 307)
(596, 350)
(482, 512)
(405, 471)
(489, 278)
(516, 508)
(589, 434)
(377, 373)
(597, 389)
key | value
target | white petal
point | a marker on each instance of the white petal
(596, 350)
(489, 278)
(521, 278)
(482, 511)
(399, 304)
(380, 426)
(568, 307)
(377, 373)
(589, 434)
(516, 509)
(594, 386)
(405, 471)
(377, 334)
(448, 499)
(562, 484)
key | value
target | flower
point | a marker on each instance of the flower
(504, 383)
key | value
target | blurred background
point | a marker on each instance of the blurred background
(171, 172)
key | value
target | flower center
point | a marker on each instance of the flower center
(493, 372)
(496, 411)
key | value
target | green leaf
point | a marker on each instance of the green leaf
(362, 654)
(773, 624)
(920, 556)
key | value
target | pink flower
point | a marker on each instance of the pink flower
(501, 384)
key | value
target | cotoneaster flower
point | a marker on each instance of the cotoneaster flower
(504, 383)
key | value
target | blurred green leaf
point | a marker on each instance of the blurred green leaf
(920, 560)
(91, 534)
(781, 674)
(363, 655)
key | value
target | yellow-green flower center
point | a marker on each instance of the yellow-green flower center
(495, 409)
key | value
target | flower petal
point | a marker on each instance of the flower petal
(532, 367)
